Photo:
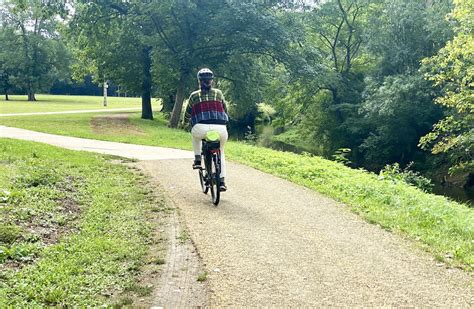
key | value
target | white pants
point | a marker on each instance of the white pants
(199, 131)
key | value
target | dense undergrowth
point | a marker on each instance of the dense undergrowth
(73, 227)
(443, 227)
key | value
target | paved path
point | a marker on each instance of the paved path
(105, 110)
(139, 152)
(273, 243)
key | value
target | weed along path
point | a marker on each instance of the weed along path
(270, 242)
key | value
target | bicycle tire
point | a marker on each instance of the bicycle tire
(202, 180)
(215, 181)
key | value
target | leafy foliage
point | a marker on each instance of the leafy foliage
(399, 111)
(453, 70)
(395, 173)
(33, 56)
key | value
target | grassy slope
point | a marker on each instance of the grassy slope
(56, 103)
(100, 209)
(444, 227)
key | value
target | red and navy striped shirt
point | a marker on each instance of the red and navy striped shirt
(206, 107)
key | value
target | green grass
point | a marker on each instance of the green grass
(441, 226)
(57, 103)
(154, 132)
(74, 227)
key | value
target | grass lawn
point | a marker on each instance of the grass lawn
(441, 226)
(74, 228)
(58, 103)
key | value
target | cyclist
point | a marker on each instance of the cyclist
(207, 111)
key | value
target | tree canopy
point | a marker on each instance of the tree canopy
(386, 81)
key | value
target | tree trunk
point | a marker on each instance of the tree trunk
(336, 101)
(178, 104)
(6, 95)
(31, 96)
(147, 112)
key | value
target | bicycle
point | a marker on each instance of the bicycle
(210, 175)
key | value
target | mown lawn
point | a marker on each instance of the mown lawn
(74, 228)
(441, 226)
(57, 103)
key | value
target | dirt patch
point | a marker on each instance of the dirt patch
(47, 229)
(68, 211)
(115, 124)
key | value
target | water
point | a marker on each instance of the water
(459, 194)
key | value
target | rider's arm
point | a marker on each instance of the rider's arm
(224, 102)
(187, 113)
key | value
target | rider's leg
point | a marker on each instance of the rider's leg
(223, 136)
(198, 132)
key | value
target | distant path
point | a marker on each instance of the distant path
(132, 151)
(82, 111)
(273, 243)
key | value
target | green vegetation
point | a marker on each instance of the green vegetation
(58, 103)
(202, 277)
(391, 80)
(152, 132)
(73, 227)
(452, 69)
(32, 57)
(444, 227)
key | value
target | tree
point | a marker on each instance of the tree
(193, 34)
(398, 112)
(335, 31)
(402, 32)
(397, 106)
(112, 41)
(7, 59)
(39, 55)
(452, 69)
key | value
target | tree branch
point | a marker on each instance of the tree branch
(163, 35)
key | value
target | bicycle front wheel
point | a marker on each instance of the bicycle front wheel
(215, 181)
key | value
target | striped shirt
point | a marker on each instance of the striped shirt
(206, 107)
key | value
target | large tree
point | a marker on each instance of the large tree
(38, 56)
(193, 34)
(8, 59)
(113, 41)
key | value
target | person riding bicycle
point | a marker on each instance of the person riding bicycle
(207, 111)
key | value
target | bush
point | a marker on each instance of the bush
(395, 173)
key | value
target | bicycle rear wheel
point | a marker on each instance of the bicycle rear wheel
(202, 180)
(215, 181)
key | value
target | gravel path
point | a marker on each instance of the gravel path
(270, 242)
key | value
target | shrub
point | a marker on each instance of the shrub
(395, 173)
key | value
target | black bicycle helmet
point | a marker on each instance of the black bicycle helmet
(205, 74)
